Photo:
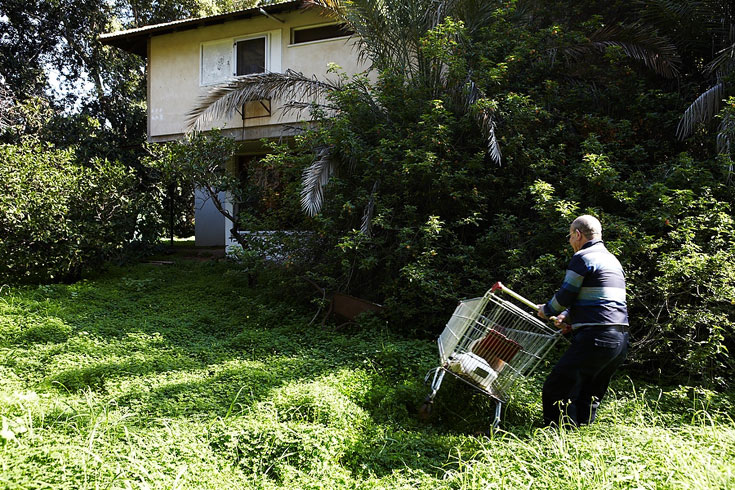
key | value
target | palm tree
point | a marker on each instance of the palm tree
(638, 42)
(704, 30)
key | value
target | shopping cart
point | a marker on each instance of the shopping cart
(491, 344)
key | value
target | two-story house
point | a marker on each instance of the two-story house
(187, 58)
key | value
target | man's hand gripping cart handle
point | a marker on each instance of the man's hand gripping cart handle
(498, 286)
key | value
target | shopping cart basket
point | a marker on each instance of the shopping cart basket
(490, 343)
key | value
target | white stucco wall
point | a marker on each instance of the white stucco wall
(208, 222)
(175, 79)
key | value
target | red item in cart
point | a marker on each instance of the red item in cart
(496, 349)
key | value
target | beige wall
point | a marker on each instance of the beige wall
(174, 72)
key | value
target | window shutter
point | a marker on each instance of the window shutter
(216, 62)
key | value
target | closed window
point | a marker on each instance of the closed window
(250, 56)
(216, 62)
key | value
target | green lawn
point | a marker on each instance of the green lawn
(183, 376)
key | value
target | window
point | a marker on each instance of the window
(224, 58)
(301, 35)
(250, 56)
(216, 62)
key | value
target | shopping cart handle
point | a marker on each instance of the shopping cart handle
(498, 286)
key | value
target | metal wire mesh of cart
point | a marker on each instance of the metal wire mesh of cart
(491, 343)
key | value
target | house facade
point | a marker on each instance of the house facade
(186, 59)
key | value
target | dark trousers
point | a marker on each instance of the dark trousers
(576, 385)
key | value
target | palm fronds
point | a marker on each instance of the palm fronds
(637, 42)
(475, 14)
(314, 178)
(706, 29)
(703, 109)
(725, 59)
(487, 125)
(689, 23)
(334, 7)
(366, 226)
(661, 12)
(671, 8)
(723, 135)
(389, 33)
(481, 107)
(224, 100)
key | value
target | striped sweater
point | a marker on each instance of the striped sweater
(593, 291)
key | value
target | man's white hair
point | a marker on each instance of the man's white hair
(589, 226)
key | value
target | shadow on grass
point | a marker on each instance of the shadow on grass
(192, 341)
(214, 394)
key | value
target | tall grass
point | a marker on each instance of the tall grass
(186, 377)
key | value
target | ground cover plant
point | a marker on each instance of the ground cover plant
(194, 375)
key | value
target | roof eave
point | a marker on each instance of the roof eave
(136, 40)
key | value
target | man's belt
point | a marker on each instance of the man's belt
(619, 328)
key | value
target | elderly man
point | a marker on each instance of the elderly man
(592, 300)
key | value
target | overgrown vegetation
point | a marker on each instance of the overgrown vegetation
(59, 217)
(184, 376)
(210, 375)
(416, 208)
(482, 130)
(74, 110)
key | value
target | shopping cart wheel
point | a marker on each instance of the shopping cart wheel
(425, 409)
(436, 376)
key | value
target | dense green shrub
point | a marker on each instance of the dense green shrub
(58, 217)
(420, 211)
(595, 135)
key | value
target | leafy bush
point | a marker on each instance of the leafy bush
(417, 215)
(419, 211)
(57, 217)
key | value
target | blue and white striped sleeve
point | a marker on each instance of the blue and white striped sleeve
(565, 296)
